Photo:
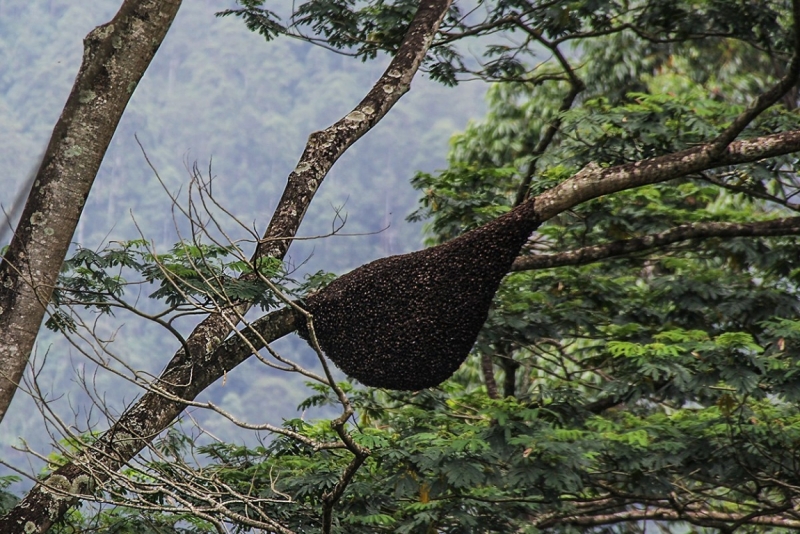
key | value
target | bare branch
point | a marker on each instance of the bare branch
(330, 499)
(751, 191)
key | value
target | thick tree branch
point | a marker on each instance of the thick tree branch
(188, 374)
(325, 147)
(139, 425)
(594, 181)
(582, 256)
(115, 57)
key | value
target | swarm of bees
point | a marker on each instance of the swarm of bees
(408, 322)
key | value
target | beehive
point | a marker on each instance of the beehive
(408, 322)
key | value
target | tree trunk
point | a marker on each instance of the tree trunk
(115, 57)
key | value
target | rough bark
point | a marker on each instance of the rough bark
(188, 374)
(594, 181)
(487, 368)
(115, 57)
(325, 147)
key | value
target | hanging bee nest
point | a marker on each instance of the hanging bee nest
(408, 322)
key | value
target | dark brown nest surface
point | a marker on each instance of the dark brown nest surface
(408, 322)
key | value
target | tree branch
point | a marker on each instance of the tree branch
(594, 181)
(750, 191)
(115, 58)
(764, 100)
(582, 256)
(487, 368)
(188, 375)
(576, 86)
(326, 146)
